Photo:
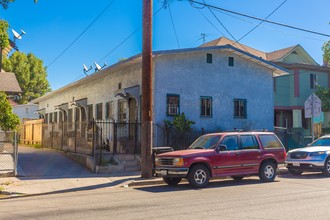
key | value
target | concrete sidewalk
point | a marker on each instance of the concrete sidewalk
(21, 186)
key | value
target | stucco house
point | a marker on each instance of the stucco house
(9, 85)
(217, 87)
(290, 90)
(26, 111)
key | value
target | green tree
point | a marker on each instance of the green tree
(324, 95)
(8, 120)
(5, 3)
(182, 123)
(4, 42)
(326, 52)
(30, 73)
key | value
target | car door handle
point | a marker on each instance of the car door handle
(237, 153)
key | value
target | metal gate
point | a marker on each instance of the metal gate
(8, 153)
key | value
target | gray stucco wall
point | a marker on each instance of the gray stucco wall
(188, 75)
(99, 90)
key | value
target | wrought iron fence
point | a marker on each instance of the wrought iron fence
(8, 153)
(118, 137)
(178, 140)
(292, 140)
(88, 138)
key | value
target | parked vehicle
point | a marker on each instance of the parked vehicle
(235, 154)
(315, 157)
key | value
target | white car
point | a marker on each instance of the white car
(315, 157)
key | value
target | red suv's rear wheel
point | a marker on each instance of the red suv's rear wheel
(267, 171)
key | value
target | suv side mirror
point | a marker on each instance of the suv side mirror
(220, 148)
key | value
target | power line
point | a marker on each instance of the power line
(263, 20)
(225, 27)
(260, 19)
(268, 27)
(210, 22)
(128, 37)
(81, 34)
(176, 36)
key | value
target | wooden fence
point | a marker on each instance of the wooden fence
(31, 132)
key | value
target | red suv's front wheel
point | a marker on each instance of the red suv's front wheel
(199, 176)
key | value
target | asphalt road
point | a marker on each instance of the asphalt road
(305, 197)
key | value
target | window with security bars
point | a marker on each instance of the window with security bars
(206, 106)
(240, 108)
(50, 117)
(109, 110)
(70, 118)
(55, 117)
(99, 111)
(77, 117)
(173, 105)
(122, 109)
(90, 113)
(46, 118)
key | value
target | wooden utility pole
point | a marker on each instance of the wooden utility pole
(147, 97)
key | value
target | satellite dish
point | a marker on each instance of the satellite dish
(97, 66)
(17, 35)
(86, 69)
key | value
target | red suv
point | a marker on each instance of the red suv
(235, 154)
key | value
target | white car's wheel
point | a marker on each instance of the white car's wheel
(326, 170)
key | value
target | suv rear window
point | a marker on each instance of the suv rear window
(270, 141)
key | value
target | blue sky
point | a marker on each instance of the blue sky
(52, 25)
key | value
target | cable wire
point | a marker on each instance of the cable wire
(176, 35)
(81, 34)
(128, 37)
(225, 27)
(260, 19)
(263, 20)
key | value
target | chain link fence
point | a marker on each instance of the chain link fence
(8, 153)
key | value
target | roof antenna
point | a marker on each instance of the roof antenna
(98, 67)
(86, 69)
(17, 35)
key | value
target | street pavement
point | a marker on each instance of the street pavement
(46, 171)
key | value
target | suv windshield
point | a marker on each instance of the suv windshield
(205, 142)
(321, 142)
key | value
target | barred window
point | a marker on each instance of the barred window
(70, 115)
(46, 118)
(55, 117)
(173, 105)
(77, 117)
(122, 108)
(99, 111)
(206, 106)
(50, 117)
(109, 110)
(90, 113)
(240, 108)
